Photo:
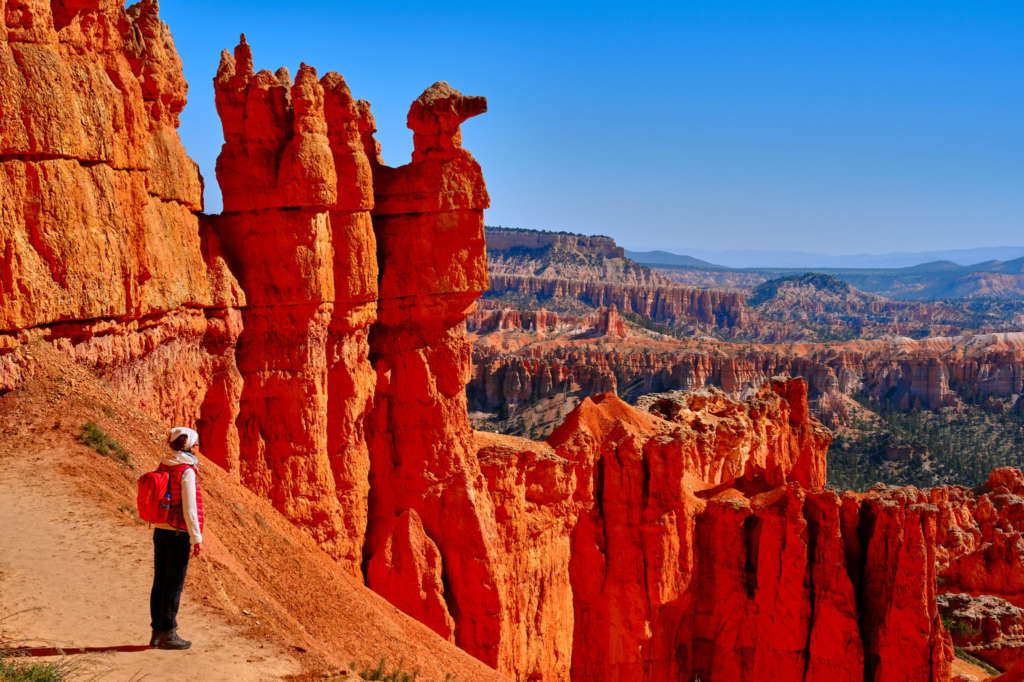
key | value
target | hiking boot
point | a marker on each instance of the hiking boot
(155, 637)
(170, 640)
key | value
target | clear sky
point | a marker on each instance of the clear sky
(837, 127)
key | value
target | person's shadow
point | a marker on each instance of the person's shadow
(71, 650)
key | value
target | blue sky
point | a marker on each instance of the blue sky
(818, 126)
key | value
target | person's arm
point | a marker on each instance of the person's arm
(189, 509)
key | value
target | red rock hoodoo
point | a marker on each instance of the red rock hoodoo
(299, 235)
(315, 332)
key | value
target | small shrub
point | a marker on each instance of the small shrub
(98, 440)
(14, 668)
(959, 628)
(19, 670)
(382, 673)
(262, 522)
(133, 512)
(964, 656)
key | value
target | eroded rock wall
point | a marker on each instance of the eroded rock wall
(692, 545)
(353, 413)
(707, 308)
(104, 255)
(904, 375)
(693, 539)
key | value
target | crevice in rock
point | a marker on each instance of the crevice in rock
(751, 545)
(865, 530)
(36, 157)
(813, 540)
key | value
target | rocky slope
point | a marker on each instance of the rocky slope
(315, 333)
(262, 601)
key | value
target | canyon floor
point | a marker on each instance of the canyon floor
(257, 605)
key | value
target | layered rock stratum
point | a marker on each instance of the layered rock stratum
(534, 267)
(315, 333)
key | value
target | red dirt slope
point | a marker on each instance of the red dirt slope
(259, 578)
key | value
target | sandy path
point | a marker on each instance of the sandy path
(73, 576)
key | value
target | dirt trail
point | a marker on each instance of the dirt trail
(75, 577)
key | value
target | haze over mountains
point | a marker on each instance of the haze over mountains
(933, 276)
(752, 258)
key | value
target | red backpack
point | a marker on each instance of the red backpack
(154, 499)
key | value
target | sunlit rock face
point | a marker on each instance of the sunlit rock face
(104, 253)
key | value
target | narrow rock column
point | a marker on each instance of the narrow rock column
(428, 220)
(351, 380)
(303, 352)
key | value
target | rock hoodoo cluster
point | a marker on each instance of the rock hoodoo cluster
(315, 333)
(901, 374)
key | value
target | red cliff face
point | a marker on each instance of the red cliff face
(532, 489)
(87, 138)
(422, 454)
(104, 256)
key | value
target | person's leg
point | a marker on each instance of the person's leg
(156, 594)
(180, 551)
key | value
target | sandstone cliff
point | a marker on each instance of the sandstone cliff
(562, 255)
(296, 218)
(708, 308)
(104, 256)
(503, 239)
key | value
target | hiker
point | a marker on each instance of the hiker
(175, 541)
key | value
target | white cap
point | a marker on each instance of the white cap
(191, 436)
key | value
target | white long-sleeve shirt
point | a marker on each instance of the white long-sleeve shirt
(188, 495)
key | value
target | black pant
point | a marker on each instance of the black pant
(171, 551)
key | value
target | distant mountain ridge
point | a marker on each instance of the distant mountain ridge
(577, 256)
(750, 258)
(926, 281)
